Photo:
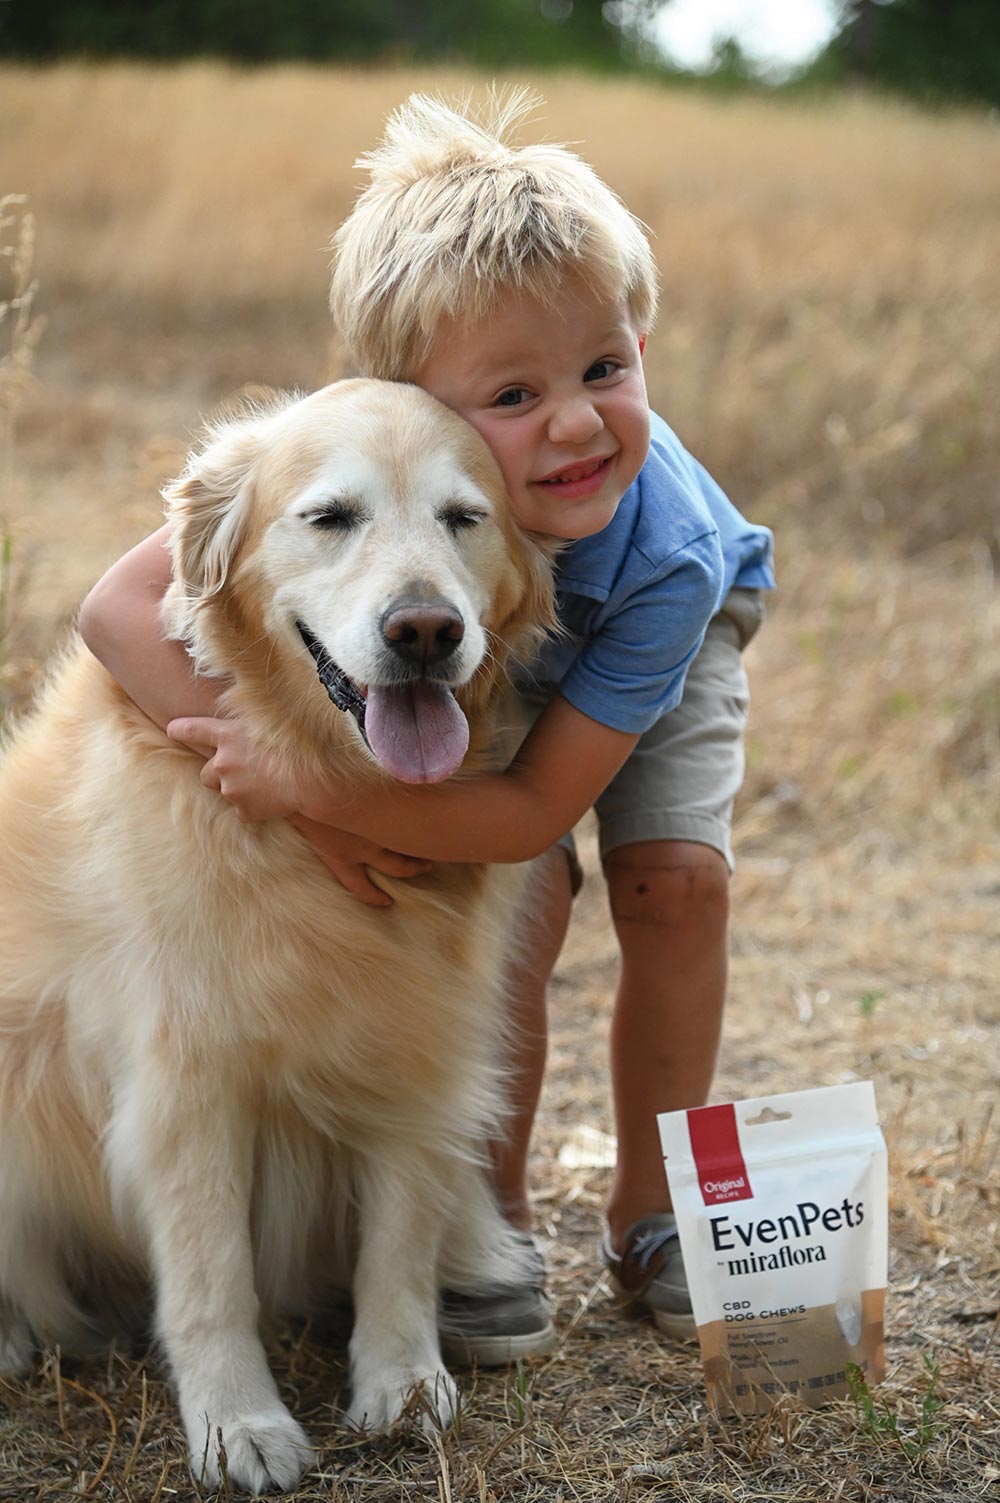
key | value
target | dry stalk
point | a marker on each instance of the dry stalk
(20, 330)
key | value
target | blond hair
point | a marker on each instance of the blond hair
(454, 216)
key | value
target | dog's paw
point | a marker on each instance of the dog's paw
(263, 1453)
(427, 1399)
(17, 1349)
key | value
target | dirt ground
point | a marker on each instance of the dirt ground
(864, 946)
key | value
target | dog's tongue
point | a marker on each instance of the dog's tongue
(417, 731)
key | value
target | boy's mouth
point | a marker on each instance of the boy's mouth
(579, 479)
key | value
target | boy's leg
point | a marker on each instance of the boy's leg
(499, 1325)
(665, 840)
(670, 906)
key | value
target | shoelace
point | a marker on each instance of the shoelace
(648, 1244)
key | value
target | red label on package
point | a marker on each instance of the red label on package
(715, 1144)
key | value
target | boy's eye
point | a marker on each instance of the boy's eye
(512, 397)
(601, 369)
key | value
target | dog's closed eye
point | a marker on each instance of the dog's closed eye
(458, 518)
(339, 516)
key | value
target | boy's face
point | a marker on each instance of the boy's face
(556, 389)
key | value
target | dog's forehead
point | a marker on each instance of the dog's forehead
(430, 479)
(374, 462)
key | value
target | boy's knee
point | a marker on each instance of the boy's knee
(669, 883)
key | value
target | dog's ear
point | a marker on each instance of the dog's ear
(534, 614)
(207, 506)
(524, 613)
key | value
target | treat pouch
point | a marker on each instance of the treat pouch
(782, 1209)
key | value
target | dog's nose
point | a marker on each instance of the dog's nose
(423, 631)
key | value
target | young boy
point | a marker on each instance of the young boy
(514, 286)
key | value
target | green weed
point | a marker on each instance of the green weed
(881, 1421)
(868, 1002)
(521, 1395)
(901, 702)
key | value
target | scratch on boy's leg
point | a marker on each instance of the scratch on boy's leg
(662, 895)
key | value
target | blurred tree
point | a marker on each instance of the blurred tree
(729, 68)
(493, 33)
(935, 50)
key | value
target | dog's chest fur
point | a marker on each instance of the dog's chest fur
(230, 946)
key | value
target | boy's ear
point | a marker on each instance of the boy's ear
(207, 506)
(642, 345)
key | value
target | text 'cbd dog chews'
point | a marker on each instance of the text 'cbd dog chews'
(781, 1204)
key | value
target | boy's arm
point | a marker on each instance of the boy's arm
(120, 623)
(564, 765)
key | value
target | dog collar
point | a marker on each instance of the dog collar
(334, 680)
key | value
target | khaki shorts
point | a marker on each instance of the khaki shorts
(683, 775)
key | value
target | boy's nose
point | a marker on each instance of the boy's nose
(574, 422)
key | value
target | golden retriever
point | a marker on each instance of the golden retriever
(219, 1073)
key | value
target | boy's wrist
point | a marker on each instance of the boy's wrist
(325, 804)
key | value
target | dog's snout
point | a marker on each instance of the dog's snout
(423, 631)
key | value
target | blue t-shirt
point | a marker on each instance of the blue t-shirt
(635, 599)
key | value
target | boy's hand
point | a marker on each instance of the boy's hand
(233, 768)
(347, 856)
(254, 788)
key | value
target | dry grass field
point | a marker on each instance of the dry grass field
(830, 346)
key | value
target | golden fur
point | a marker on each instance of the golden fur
(218, 1071)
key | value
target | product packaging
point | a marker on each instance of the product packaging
(782, 1209)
